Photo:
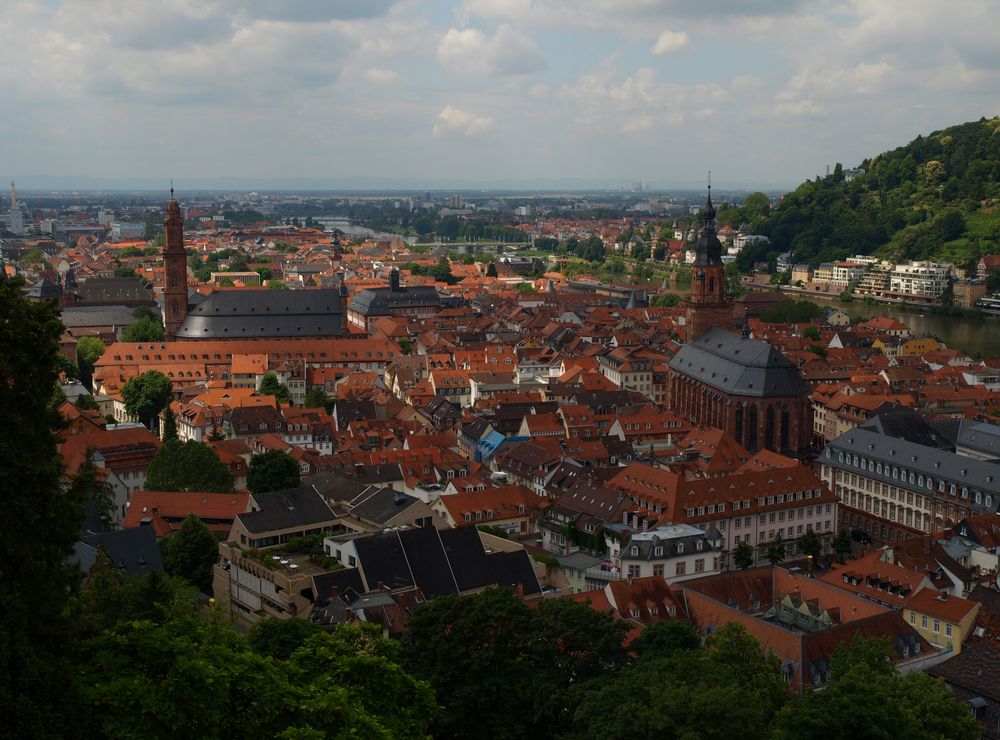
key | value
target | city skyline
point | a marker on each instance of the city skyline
(504, 93)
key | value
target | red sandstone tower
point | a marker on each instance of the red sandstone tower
(707, 305)
(175, 292)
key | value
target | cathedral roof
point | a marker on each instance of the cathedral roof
(249, 314)
(378, 301)
(738, 365)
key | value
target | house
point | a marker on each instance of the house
(945, 621)
(974, 677)
(674, 552)
(164, 512)
(513, 508)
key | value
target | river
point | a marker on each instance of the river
(969, 335)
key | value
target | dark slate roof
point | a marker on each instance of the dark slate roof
(380, 301)
(440, 561)
(379, 505)
(976, 669)
(295, 507)
(264, 313)
(108, 290)
(908, 425)
(81, 316)
(44, 289)
(979, 436)
(133, 551)
(865, 443)
(739, 366)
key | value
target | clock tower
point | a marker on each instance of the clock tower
(707, 304)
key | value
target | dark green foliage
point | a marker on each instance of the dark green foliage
(809, 544)
(842, 544)
(776, 550)
(169, 424)
(743, 555)
(511, 667)
(728, 689)
(271, 386)
(86, 486)
(811, 332)
(790, 311)
(279, 638)
(39, 524)
(907, 204)
(665, 300)
(190, 552)
(273, 470)
(663, 639)
(868, 698)
(88, 352)
(145, 396)
(188, 466)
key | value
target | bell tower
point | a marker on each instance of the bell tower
(707, 305)
(175, 291)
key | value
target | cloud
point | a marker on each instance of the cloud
(670, 42)
(506, 53)
(452, 120)
(376, 74)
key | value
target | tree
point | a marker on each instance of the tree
(86, 402)
(662, 639)
(88, 352)
(842, 544)
(743, 555)
(271, 386)
(188, 466)
(659, 253)
(811, 332)
(143, 312)
(525, 288)
(144, 330)
(276, 285)
(169, 424)
(145, 396)
(86, 486)
(809, 544)
(279, 638)
(405, 346)
(525, 660)
(491, 269)
(190, 553)
(316, 398)
(867, 697)
(665, 300)
(776, 550)
(273, 470)
(947, 297)
(35, 631)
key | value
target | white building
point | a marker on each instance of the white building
(920, 279)
(676, 552)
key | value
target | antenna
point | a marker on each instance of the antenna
(710, 179)
(171, 188)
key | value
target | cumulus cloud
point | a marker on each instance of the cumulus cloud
(377, 74)
(670, 42)
(506, 52)
(453, 120)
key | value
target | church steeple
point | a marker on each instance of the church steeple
(175, 291)
(707, 304)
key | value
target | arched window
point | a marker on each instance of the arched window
(784, 430)
(738, 425)
(769, 428)
(752, 442)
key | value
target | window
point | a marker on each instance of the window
(658, 569)
(699, 565)
(937, 625)
(633, 571)
(913, 616)
(680, 569)
(635, 550)
(947, 630)
(923, 622)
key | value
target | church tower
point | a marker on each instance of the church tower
(707, 305)
(175, 291)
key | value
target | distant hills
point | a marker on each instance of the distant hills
(935, 198)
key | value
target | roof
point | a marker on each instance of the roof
(739, 366)
(294, 507)
(264, 313)
(976, 669)
(86, 316)
(133, 551)
(941, 605)
(164, 511)
(377, 301)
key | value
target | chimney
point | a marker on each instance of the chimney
(519, 590)
(380, 586)
(333, 592)
(348, 614)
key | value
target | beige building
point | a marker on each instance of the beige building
(943, 620)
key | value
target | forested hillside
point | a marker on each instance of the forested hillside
(935, 198)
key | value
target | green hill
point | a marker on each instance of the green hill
(935, 198)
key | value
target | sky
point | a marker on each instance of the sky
(481, 92)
